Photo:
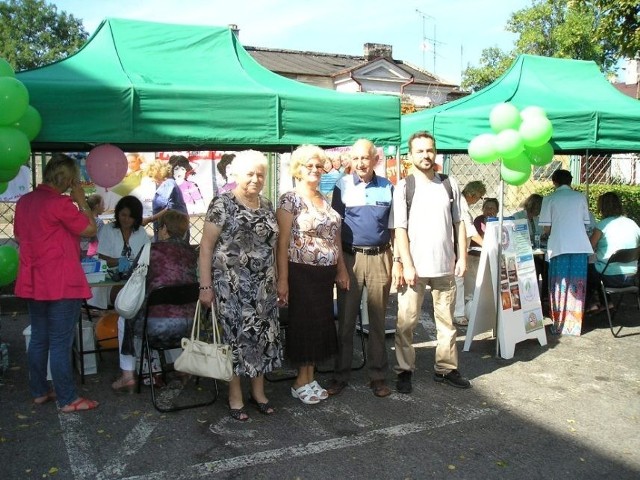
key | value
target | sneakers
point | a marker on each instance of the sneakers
(380, 388)
(461, 321)
(335, 387)
(453, 378)
(403, 384)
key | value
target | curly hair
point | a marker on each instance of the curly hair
(302, 155)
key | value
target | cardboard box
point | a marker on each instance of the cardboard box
(88, 343)
(27, 339)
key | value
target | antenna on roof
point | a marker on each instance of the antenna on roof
(432, 42)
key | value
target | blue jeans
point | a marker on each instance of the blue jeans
(53, 324)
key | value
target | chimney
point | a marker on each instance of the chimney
(377, 50)
(235, 30)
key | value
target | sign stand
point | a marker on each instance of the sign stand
(506, 289)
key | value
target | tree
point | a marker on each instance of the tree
(493, 63)
(33, 33)
(618, 25)
(552, 28)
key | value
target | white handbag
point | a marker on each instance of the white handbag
(203, 359)
(130, 299)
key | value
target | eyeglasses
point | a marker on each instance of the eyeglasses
(318, 166)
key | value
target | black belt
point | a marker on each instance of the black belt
(352, 249)
(473, 253)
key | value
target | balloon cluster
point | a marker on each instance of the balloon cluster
(520, 139)
(19, 124)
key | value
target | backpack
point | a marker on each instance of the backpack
(446, 183)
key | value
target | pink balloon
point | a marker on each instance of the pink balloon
(106, 165)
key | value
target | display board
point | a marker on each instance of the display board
(506, 289)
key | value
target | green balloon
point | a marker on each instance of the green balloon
(14, 148)
(14, 100)
(504, 116)
(8, 264)
(30, 123)
(482, 148)
(509, 143)
(535, 131)
(6, 70)
(540, 156)
(3, 187)
(7, 174)
(515, 177)
(519, 162)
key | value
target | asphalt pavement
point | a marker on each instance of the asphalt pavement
(570, 409)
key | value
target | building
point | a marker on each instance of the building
(376, 71)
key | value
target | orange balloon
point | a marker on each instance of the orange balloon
(107, 331)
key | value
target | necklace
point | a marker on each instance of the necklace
(249, 202)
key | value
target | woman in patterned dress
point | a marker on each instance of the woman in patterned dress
(237, 276)
(309, 263)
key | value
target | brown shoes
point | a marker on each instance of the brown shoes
(379, 388)
(335, 387)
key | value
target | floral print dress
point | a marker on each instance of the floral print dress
(244, 283)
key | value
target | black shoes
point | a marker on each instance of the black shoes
(403, 384)
(453, 378)
(335, 387)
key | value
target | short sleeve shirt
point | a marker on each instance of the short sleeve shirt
(314, 231)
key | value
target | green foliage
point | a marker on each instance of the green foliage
(551, 28)
(493, 63)
(629, 195)
(618, 25)
(33, 33)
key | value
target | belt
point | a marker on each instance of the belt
(473, 253)
(352, 249)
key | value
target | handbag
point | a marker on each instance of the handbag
(130, 299)
(204, 359)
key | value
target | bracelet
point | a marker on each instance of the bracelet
(208, 287)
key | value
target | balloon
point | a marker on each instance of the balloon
(504, 116)
(519, 162)
(533, 111)
(106, 165)
(30, 123)
(3, 187)
(541, 155)
(14, 100)
(509, 143)
(515, 177)
(8, 264)
(6, 70)
(10, 173)
(535, 131)
(482, 148)
(14, 147)
(107, 331)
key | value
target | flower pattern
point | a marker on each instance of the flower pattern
(244, 283)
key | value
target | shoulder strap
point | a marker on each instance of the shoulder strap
(410, 189)
(446, 183)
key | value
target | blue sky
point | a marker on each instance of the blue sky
(463, 28)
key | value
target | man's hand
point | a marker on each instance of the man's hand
(410, 275)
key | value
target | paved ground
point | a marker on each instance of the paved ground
(567, 410)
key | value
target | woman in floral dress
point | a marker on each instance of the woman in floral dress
(237, 276)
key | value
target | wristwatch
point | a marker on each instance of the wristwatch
(397, 259)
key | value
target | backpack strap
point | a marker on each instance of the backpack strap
(410, 189)
(446, 183)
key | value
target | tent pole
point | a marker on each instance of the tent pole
(587, 168)
(496, 294)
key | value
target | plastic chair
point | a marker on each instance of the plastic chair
(169, 295)
(620, 256)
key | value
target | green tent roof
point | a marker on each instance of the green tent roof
(585, 110)
(152, 86)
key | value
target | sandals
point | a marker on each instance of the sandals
(320, 392)
(124, 384)
(239, 414)
(79, 405)
(48, 397)
(305, 394)
(264, 408)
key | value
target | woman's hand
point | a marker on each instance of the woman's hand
(206, 298)
(283, 292)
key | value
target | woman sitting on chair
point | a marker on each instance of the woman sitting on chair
(172, 262)
(614, 232)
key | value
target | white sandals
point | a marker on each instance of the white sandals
(320, 392)
(305, 394)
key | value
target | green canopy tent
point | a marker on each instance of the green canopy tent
(149, 86)
(586, 111)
